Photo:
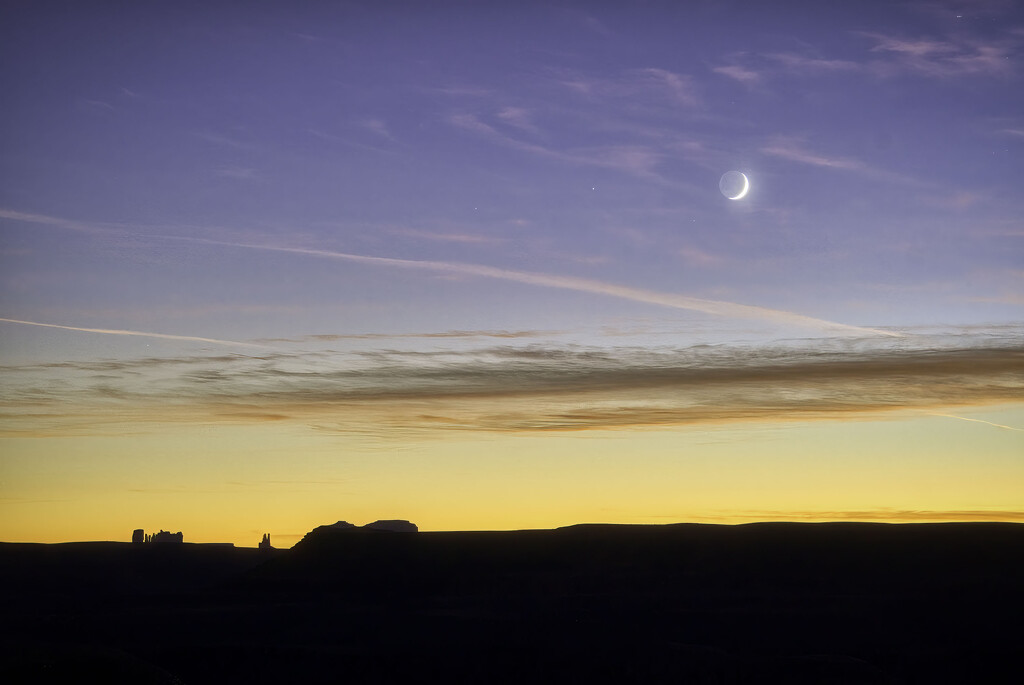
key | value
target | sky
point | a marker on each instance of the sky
(266, 266)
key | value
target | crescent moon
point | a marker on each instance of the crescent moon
(746, 188)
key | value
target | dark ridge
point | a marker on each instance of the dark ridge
(690, 603)
(94, 570)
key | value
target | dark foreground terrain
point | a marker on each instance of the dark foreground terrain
(760, 603)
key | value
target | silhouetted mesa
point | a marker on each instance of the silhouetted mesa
(393, 526)
(139, 536)
(382, 525)
(341, 525)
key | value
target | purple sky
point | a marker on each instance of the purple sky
(544, 171)
(882, 141)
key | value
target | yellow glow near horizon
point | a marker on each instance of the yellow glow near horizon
(232, 484)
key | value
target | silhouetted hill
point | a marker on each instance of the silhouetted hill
(757, 603)
(680, 558)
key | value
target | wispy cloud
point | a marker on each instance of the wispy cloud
(738, 73)
(238, 173)
(330, 337)
(447, 237)
(637, 160)
(756, 69)
(644, 87)
(1010, 298)
(144, 334)
(794, 150)
(323, 135)
(796, 63)
(678, 87)
(102, 367)
(29, 217)
(98, 105)
(940, 58)
(698, 257)
(943, 57)
(226, 141)
(519, 117)
(379, 128)
(961, 199)
(460, 91)
(513, 388)
(590, 22)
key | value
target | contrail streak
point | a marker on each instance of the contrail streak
(108, 331)
(728, 309)
(572, 283)
(54, 221)
(987, 423)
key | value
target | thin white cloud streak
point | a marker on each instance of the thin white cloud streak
(678, 86)
(942, 58)
(738, 73)
(646, 87)
(518, 117)
(379, 128)
(637, 160)
(447, 237)
(330, 337)
(719, 308)
(781, 65)
(237, 172)
(799, 63)
(794, 152)
(226, 141)
(344, 141)
(143, 334)
(51, 221)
